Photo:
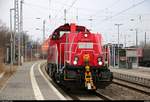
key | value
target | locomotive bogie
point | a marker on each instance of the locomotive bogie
(76, 74)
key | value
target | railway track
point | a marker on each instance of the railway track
(77, 94)
(103, 96)
(92, 96)
(99, 95)
(133, 86)
(87, 95)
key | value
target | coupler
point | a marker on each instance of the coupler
(88, 79)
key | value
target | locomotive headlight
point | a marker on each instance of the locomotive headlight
(85, 35)
(75, 60)
(99, 60)
(100, 63)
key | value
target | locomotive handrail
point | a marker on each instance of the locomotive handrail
(56, 58)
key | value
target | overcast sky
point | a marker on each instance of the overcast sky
(104, 14)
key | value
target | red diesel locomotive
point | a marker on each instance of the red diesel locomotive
(76, 55)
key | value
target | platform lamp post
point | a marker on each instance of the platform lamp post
(136, 33)
(43, 31)
(11, 40)
(118, 25)
(114, 53)
(42, 28)
(25, 46)
(114, 57)
(31, 50)
(42, 41)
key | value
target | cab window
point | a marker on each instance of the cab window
(61, 33)
(55, 36)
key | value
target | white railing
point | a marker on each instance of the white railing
(132, 78)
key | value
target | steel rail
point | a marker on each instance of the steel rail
(130, 85)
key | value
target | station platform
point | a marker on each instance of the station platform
(140, 75)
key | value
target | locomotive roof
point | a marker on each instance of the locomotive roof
(66, 27)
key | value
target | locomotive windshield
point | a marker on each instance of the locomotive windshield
(85, 45)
